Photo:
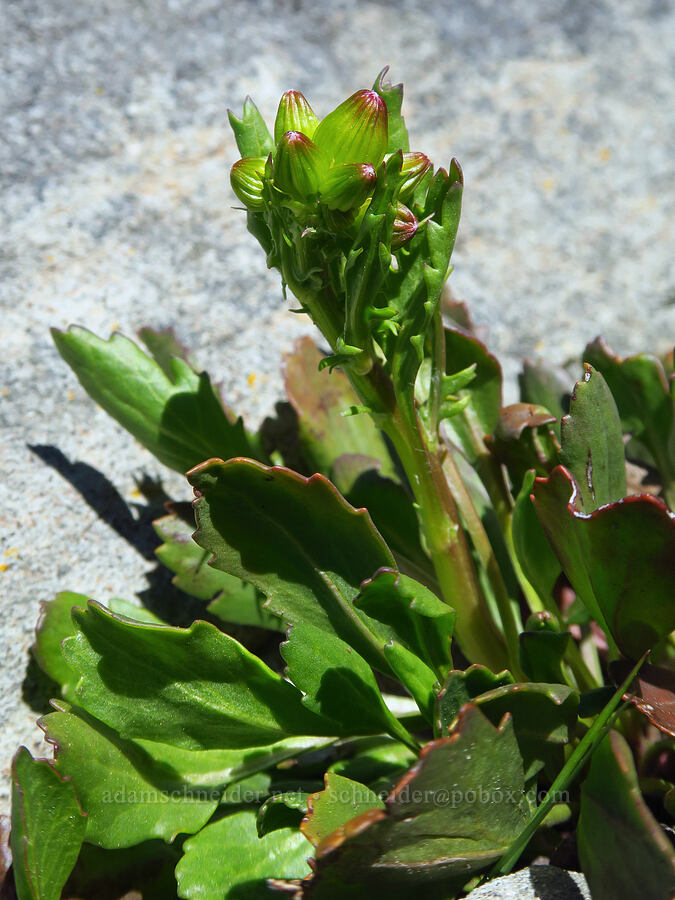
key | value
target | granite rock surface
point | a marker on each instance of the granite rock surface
(116, 212)
(535, 883)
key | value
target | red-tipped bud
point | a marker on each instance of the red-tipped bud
(294, 114)
(246, 178)
(355, 132)
(405, 227)
(298, 166)
(415, 167)
(347, 186)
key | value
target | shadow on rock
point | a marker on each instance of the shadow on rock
(102, 496)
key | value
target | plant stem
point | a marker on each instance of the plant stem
(476, 631)
(483, 547)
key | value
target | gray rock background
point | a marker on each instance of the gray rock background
(116, 212)
(535, 883)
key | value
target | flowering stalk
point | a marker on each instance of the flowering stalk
(362, 231)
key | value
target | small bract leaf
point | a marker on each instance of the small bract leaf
(319, 398)
(462, 351)
(47, 828)
(250, 132)
(392, 94)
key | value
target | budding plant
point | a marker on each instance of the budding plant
(422, 657)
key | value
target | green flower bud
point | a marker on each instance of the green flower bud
(347, 185)
(294, 114)
(355, 132)
(415, 167)
(246, 178)
(405, 227)
(298, 166)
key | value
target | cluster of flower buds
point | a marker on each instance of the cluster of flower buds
(332, 163)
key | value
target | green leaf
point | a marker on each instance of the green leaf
(645, 400)
(281, 811)
(54, 625)
(227, 859)
(453, 814)
(544, 716)
(195, 688)
(319, 399)
(547, 387)
(163, 346)
(128, 797)
(524, 439)
(592, 443)
(390, 507)
(623, 851)
(341, 800)
(392, 94)
(462, 351)
(145, 871)
(460, 688)
(338, 684)
(652, 693)
(421, 621)
(180, 419)
(541, 654)
(416, 677)
(298, 541)
(232, 599)
(375, 759)
(129, 610)
(250, 132)
(47, 828)
(618, 560)
(539, 563)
